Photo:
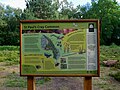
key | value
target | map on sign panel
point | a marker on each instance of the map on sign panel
(59, 48)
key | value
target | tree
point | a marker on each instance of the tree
(108, 11)
(9, 31)
(40, 9)
(48, 9)
(67, 10)
(81, 11)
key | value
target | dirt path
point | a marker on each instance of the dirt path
(105, 82)
(62, 83)
(6, 70)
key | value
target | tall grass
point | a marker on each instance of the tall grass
(9, 54)
(110, 52)
(9, 48)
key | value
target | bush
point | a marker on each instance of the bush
(109, 52)
(9, 54)
(117, 65)
(9, 48)
(116, 76)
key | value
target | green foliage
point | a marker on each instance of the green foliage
(108, 11)
(113, 53)
(109, 52)
(9, 22)
(40, 8)
(14, 80)
(116, 75)
(67, 10)
(9, 48)
(117, 65)
(42, 80)
(50, 9)
(9, 54)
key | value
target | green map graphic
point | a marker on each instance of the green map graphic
(59, 50)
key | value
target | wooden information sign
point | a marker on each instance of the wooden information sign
(59, 48)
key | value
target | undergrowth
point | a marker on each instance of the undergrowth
(14, 80)
(9, 54)
(116, 75)
(109, 53)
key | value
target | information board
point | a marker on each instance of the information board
(59, 48)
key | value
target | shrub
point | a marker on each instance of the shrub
(116, 76)
(117, 65)
(9, 48)
(9, 54)
(109, 52)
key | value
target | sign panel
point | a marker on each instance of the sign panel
(59, 48)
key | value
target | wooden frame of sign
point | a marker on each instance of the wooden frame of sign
(60, 48)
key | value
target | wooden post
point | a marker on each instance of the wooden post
(30, 83)
(87, 83)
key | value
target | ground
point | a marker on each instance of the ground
(104, 82)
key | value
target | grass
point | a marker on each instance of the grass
(9, 48)
(109, 53)
(14, 80)
(116, 75)
(105, 81)
(1, 69)
(9, 54)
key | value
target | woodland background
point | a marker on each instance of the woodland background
(107, 11)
